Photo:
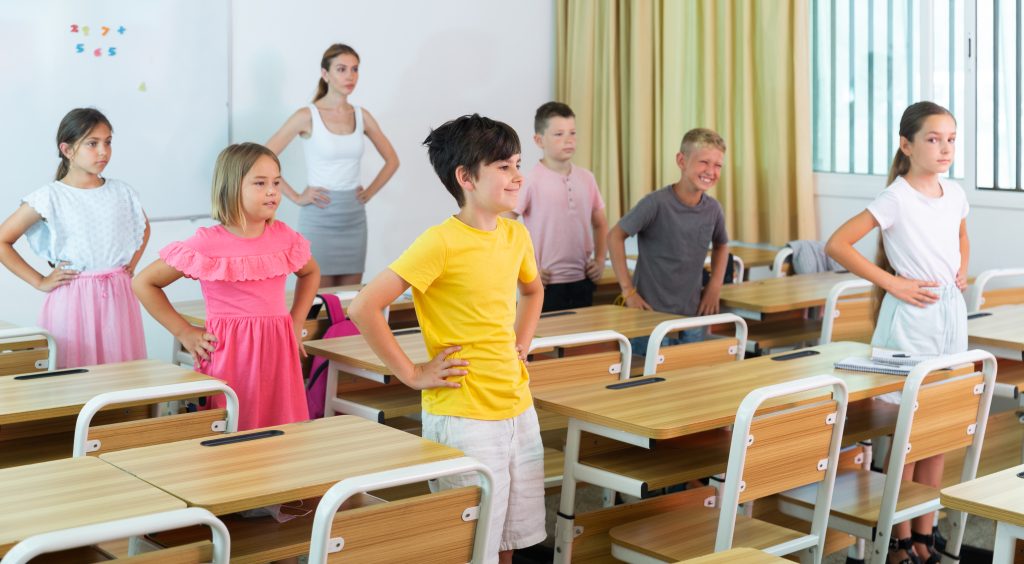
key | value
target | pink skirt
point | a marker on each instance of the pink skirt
(95, 319)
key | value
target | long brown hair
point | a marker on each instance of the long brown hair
(912, 121)
(76, 126)
(325, 63)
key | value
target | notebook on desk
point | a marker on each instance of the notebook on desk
(861, 364)
(899, 358)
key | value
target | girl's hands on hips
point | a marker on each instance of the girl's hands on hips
(961, 280)
(60, 276)
(316, 195)
(297, 326)
(912, 291)
(198, 343)
(434, 374)
(594, 270)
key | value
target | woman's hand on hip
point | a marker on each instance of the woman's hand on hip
(316, 195)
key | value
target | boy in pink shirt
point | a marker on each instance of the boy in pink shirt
(564, 213)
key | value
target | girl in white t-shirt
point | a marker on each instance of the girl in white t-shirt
(921, 270)
(92, 231)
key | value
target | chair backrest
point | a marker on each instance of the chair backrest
(19, 355)
(782, 266)
(977, 297)
(847, 319)
(155, 430)
(66, 539)
(449, 526)
(938, 413)
(580, 367)
(703, 353)
(737, 270)
(781, 450)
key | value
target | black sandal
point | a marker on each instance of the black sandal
(905, 545)
(928, 539)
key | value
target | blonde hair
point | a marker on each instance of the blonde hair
(325, 63)
(912, 121)
(699, 138)
(233, 164)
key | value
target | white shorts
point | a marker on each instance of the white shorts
(939, 328)
(512, 449)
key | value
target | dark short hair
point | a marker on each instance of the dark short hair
(470, 141)
(548, 111)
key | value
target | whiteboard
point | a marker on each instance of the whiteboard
(157, 69)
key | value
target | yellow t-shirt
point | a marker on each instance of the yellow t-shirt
(464, 285)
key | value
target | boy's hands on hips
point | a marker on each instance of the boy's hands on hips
(709, 300)
(434, 374)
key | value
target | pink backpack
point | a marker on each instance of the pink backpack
(341, 326)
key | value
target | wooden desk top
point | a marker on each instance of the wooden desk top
(753, 257)
(737, 556)
(354, 351)
(43, 398)
(194, 311)
(700, 399)
(1004, 328)
(998, 496)
(774, 295)
(628, 321)
(304, 462)
(69, 493)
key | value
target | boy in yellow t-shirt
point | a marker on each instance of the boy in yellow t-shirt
(464, 274)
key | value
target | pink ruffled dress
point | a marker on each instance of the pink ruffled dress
(243, 283)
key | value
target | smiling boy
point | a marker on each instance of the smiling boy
(674, 226)
(464, 274)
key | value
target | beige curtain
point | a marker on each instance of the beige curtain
(640, 73)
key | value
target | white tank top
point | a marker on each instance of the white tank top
(332, 160)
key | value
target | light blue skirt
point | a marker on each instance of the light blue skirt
(337, 233)
(936, 329)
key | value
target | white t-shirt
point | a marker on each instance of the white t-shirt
(91, 228)
(921, 234)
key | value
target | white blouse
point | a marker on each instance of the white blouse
(90, 228)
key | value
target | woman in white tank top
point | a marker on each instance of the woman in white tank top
(332, 130)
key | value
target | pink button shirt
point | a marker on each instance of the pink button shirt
(557, 211)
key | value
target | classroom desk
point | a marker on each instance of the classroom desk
(737, 556)
(999, 497)
(756, 299)
(302, 462)
(402, 315)
(686, 402)
(69, 493)
(351, 355)
(37, 415)
(999, 330)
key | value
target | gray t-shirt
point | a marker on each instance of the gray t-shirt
(673, 241)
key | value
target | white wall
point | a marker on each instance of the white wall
(995, 223)
(431, 62)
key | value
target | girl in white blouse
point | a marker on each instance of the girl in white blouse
(92, 231)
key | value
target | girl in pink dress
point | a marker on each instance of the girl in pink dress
(251, 340)
(92, 231)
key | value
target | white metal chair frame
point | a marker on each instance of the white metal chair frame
(321, 543)
(589, 338)
(83, 445)
(51, 344)
(832, 310)
(733, 484)
(87, 535)
(654, 358)
(976, 293)
(784, 254)
(888, 516)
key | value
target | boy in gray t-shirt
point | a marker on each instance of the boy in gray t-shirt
(674, 226)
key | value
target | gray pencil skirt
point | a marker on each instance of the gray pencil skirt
(337, 233)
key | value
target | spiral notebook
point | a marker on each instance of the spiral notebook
(861, 364)
(900, 358)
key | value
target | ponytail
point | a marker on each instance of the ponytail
(325, 64)
(912, 121)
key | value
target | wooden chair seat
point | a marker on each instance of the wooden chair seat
(261, 539)
(394, 400)
(858, 496)
(738, 556)
(767, 509)
(688, 533)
